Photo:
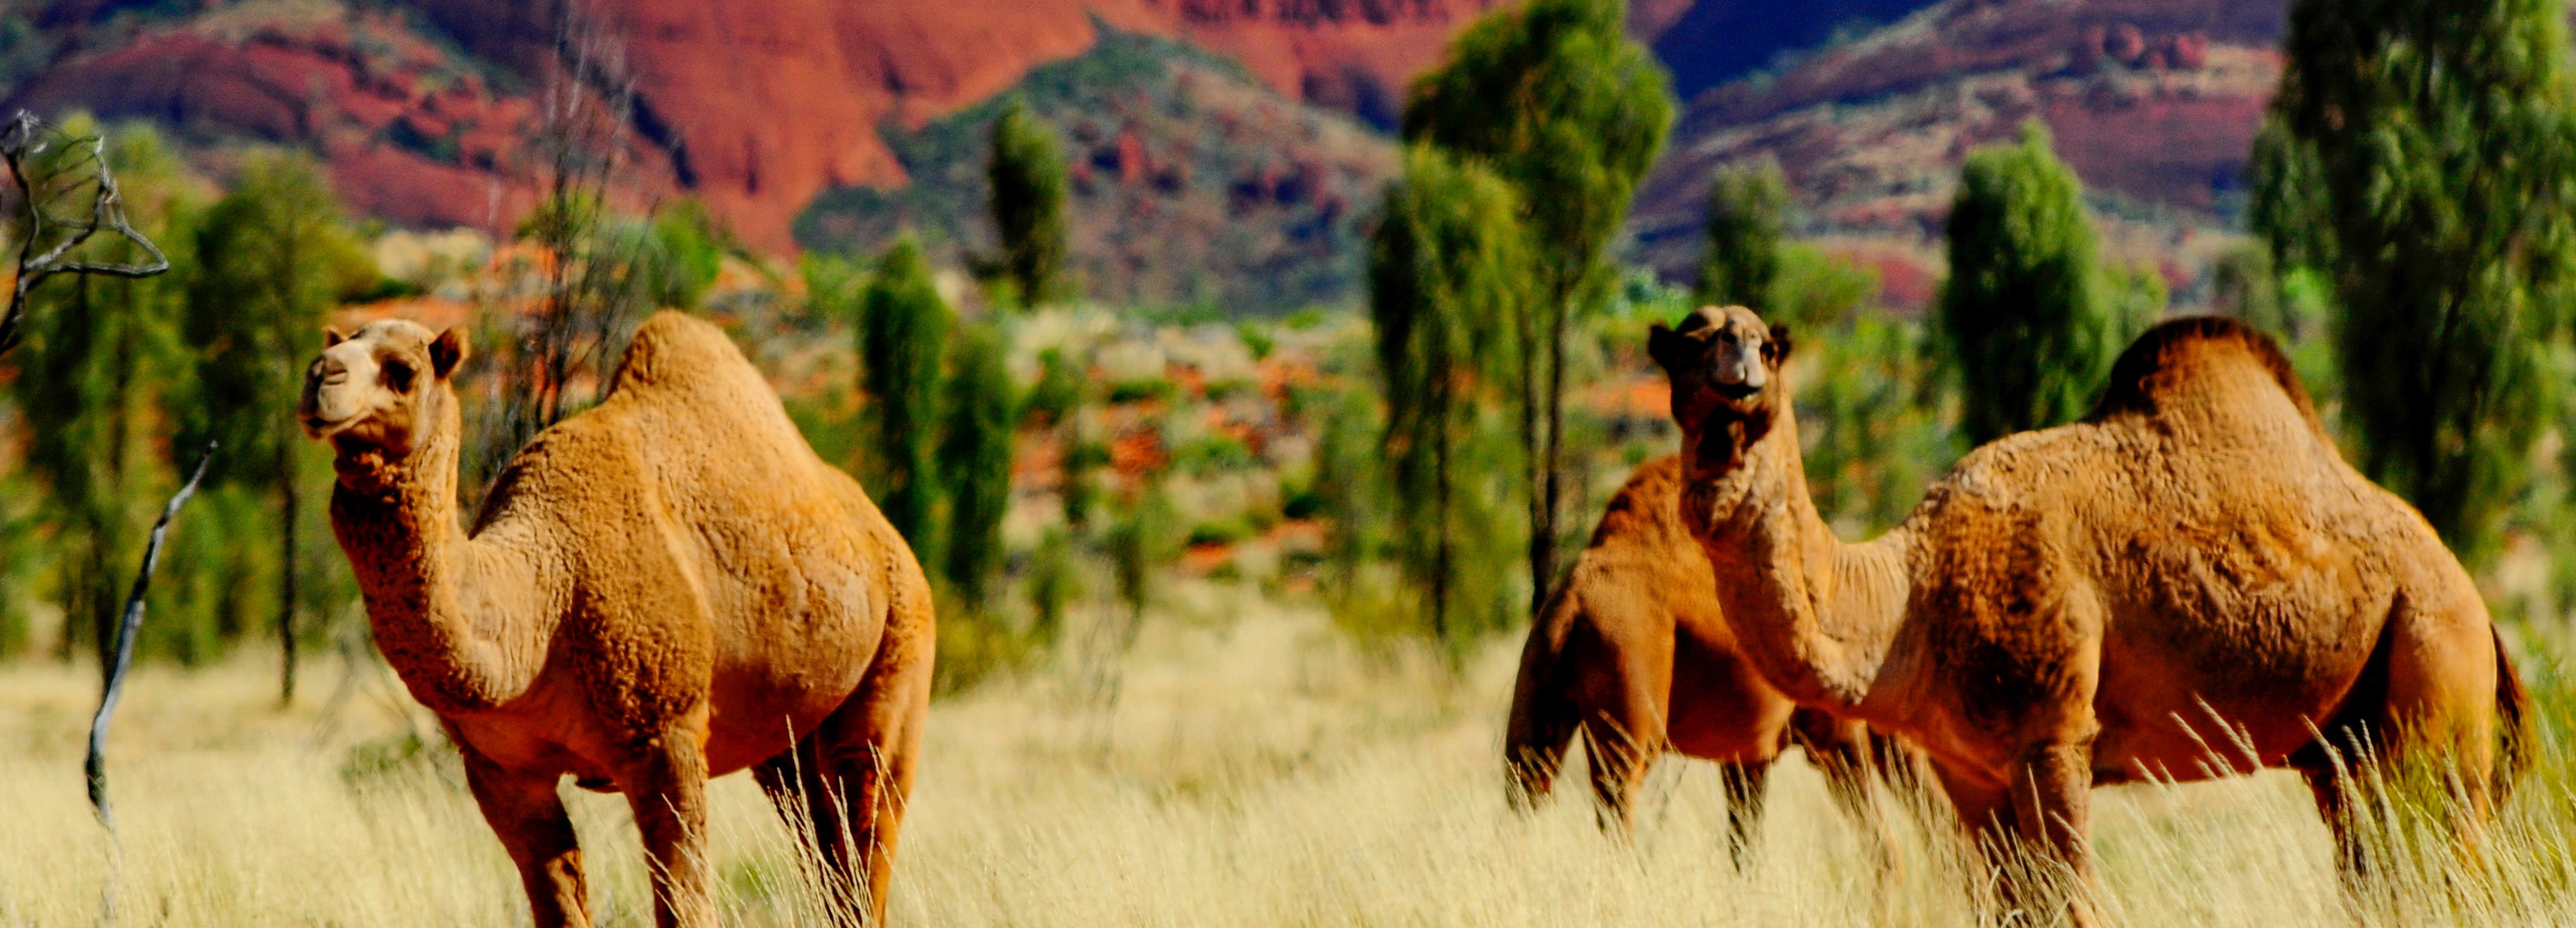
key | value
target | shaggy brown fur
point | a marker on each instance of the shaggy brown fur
(1634, 654)
(2189, 583)
(666, 588)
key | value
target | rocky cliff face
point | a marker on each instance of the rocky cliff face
(755, 109)
(425, 108)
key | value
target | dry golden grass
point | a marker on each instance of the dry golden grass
(1256, 772)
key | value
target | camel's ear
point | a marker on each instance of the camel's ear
(1665, 346)
(332, 336)
(447, 351)
(1776, 348)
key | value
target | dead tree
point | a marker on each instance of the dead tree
(47, 238)
(94, 766)
(596, 278)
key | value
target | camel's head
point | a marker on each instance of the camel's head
(370, 393)
(1721, 361)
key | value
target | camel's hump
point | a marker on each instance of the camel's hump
(2179, 354)
(674, 350)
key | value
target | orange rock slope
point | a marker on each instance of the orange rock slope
(424, 108)
(753, 108)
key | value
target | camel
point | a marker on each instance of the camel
(1633, 653)
(665, 588)
(2188, 583)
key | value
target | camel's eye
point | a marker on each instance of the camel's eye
(398, 376)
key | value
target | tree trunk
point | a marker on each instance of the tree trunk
(1548, 459)
(1533, 472)
(1440, 507)
(286, 571)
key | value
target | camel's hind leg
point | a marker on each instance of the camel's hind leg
(2424, 709)
(851, 777)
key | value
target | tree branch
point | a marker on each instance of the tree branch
(95, 767)
(20, 141)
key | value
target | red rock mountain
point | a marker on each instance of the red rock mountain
(424, 108)
(756, 108)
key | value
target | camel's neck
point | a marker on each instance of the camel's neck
(455, 617)
(1814, 614)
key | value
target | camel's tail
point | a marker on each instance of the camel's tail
(1543, 719)
(2513, 712)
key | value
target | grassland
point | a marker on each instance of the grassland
(1255, 769)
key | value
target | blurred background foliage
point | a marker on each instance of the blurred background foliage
(1069, 463)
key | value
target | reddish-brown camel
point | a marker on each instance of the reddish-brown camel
(2190, 582)
(666, 588)
(1633, 654)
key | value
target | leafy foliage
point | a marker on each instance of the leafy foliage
(1443, 288)
(100, 362)
(903, 335)
(2418, 154)
(1740, 266)
(2029, 328)
(1871, 409)
(975, 461)
(1556, 100)
(273, 257)
(1026, 172)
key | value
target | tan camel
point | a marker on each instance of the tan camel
(1633, 653)
(2189, 583)
(666, 588)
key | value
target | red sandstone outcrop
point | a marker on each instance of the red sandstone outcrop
(757, 108)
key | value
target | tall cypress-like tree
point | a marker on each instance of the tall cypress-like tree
(272, 257)
(2420, 153)
(903, 336)
(1027, 174)
(975, 460)
(2024, 314)
(1740, 264)
(1443, 289)
(1563, 106)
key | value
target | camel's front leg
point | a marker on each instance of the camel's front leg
(528, 815)
(669, 796)
(1843, 753)
(2051, 803)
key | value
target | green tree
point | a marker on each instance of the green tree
(975, 461)
(2246, 284)
(903, 336)
(1740, 263)
(273, 257)
(2419, 154)
(1027, 174)
(1053, 585)
(687, 251)
(2024, 314)
(1146, 538)
(1443, 291)
(1553, 96)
